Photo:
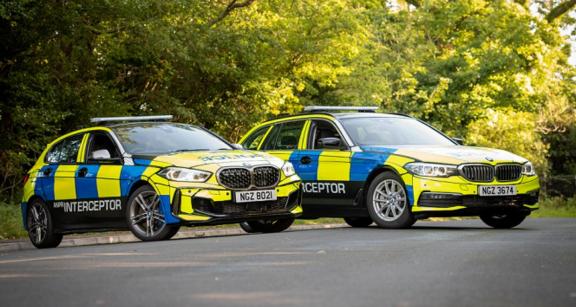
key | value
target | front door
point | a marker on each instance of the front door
(327, 178)
(98, 183)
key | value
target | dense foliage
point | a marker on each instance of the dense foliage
(495, 72)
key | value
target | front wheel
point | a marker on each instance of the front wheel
(387, 202)
(41, 226)
(144, 217)
(267, 226)
(503, 221)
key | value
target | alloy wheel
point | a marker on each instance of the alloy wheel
(145, 215)
(389, 200)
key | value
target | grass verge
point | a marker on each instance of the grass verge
(10, 222)
(556, 207)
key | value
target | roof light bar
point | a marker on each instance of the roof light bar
(339, 108)
(153, 118)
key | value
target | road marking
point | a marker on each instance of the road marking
(68, 257)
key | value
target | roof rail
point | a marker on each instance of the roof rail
(153, 118)
(339, 108)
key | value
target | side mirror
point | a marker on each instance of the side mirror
(238, 146)
(329, 143)
(102, 156)
(459, 141)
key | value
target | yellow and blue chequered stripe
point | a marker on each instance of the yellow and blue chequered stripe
(101, 181)
(345, 166)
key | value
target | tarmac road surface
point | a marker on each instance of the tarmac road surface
(456, 263)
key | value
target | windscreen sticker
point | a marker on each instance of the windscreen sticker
(215, 157)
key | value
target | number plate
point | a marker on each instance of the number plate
(254, 196)
(497, 190)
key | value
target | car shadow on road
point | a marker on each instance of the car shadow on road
(441, 228)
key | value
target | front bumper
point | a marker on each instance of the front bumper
(455, 196)
(212, 206)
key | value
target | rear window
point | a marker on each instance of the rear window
(65, 151)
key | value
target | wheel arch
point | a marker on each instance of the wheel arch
(137, 184)
(164, 199)
(373, 174)
(377, 171)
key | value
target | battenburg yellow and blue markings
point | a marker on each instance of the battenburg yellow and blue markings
(335, 170)
(56, 182)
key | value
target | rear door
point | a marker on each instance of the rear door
(56, 179)
(255, 140)
(284, 140)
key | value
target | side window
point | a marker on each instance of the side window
(255, 138)
(65, 151)
(102, 146)
(322, 129)
(285, 136)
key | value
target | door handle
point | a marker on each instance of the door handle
(306, 160)
(82, 172)
(47, 172)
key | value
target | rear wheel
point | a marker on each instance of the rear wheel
(503, 221)
(358, 221)
(41, 226)
(387, 202)
(144, 217)
(267, 226)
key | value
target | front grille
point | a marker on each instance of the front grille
(265, 176)
(243, 178)
(235, 178)
(477, 172)
(508, 172)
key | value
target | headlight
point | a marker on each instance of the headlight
(432, 169)
(288, 169)
(184, 174)
(528, 169)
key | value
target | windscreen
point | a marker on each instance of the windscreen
(154, 138)
(366, 131)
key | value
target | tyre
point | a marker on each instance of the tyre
(387, 202)
(503, 221)
(144, 217)
(41, 226)
(267, 226)
(358, 221)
